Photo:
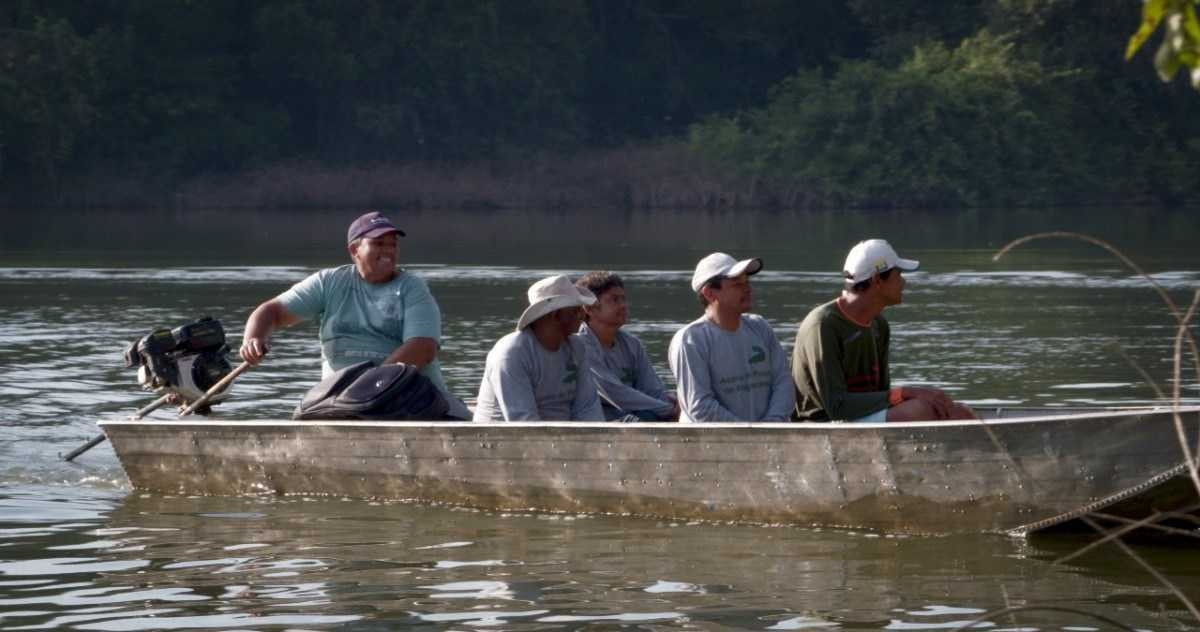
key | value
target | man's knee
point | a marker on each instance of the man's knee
(922, 410)
(962, 411)
(912, 410)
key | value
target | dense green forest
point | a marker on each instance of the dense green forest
(759, 102)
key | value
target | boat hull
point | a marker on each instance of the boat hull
(1005, 475)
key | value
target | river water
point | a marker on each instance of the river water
(1054, 323)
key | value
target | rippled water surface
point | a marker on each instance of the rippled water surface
(1054, 323)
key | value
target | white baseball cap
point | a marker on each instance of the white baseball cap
(871, 256)
(553, 293)
(719, 264)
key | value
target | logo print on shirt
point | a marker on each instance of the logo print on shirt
(757, 354)
(628, 376)
(571, 374)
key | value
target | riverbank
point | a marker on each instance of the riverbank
(667, 174)
(662, 175)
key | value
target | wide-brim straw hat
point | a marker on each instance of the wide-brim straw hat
(551, 294)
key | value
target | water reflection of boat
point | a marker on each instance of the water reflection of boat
(1021, 471)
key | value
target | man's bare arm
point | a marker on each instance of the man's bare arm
(415, 351)
(263, 321)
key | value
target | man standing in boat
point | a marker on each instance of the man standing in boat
(840, 361)
(728, 363)
(369, 310)
(540, 371)
(620, 367)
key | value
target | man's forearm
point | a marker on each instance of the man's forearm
(415, 351)
(264, 320)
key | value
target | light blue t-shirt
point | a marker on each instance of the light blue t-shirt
(366, 321)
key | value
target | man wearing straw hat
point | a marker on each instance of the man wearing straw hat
(728, 363)
(840, 361)
(369, 310)
(540, 371)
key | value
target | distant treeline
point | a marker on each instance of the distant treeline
(774, 102)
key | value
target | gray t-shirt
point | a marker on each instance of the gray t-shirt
(738, 375)
(523, 381)
(624, 377)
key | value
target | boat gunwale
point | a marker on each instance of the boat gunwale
(1093, 413)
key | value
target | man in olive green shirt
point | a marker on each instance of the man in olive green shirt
(840, 361)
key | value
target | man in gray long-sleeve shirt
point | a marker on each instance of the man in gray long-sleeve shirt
(728, 363)
(540, 371)
(620, 367)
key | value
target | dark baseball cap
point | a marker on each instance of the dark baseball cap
(372, 224)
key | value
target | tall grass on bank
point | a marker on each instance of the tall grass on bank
(663, 175)
(1191, 454)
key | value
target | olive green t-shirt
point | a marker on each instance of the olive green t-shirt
(840, 367)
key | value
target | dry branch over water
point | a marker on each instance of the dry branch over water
(1191, 458)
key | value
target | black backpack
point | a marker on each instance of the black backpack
(395, 392)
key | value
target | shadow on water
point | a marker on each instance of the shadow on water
(1176, 557)
(106, 562)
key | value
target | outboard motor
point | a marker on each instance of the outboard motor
(184, 362)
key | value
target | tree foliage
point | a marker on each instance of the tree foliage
(48, 90)
(1180, 46)
(968, 125)
(194, 87)
(829, 101)
(1021, 112)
